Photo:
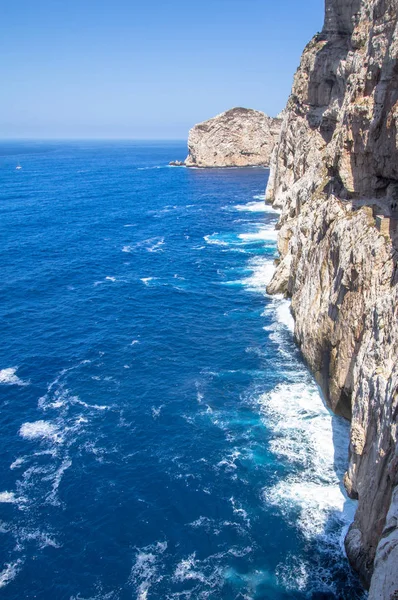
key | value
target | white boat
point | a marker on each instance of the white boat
(18, 167)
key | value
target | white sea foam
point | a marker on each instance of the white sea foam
(8, 498)
(311, 497)
(202, 578)
(238, 510)
(205, 522)
(156, 246)
(163, 211)
(284, 315)
(257, 207)
(9, 377)
(235, 249)
(156, 411)
(262, 271)
(240, 552)
(76, 400)
(199, 393)
(43, 539)
(150, 245)
(57, 398)
(229, 461)
(188, 569)
(152, 168)
(18, 462)
(145, 571)
(213, 239)
(316, 502)
(147, 280)
(293, 574)
(266, 233)
(176, 282)
(297, 416)
(9, 573)
(40, 430)
(100, 594)
(4, 527)
(52, 497)
(304, 435)
(42, 471)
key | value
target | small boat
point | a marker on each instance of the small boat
(18, 167)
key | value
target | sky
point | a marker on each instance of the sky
(145, 69)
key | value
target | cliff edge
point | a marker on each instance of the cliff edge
(334, 175)
(240, 137)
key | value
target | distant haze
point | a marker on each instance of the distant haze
(150, 70)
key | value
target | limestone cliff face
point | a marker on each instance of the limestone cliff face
(334, 174)
(239, 137)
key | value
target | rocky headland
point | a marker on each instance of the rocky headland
(239, 137)
(334, 176)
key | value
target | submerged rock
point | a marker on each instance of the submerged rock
(334, 175)
(239, 137)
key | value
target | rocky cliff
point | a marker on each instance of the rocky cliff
(239, 137)
(334, 175)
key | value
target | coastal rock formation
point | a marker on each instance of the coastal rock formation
(334, 175)
(239, 137)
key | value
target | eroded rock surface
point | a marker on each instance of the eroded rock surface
(334, 175)
(239, 137)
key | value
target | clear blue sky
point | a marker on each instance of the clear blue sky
(145, 69)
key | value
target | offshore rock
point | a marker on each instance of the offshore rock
(239, 137)
(334, 175)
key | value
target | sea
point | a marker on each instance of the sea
(161, 436)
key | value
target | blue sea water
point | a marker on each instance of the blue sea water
(161, 436)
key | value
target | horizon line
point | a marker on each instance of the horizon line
(88, 139)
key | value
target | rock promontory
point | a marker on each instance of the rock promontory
(240, 137)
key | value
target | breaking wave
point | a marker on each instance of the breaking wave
(9, 377)
(258, 206)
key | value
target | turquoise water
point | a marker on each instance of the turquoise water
(161, 436)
